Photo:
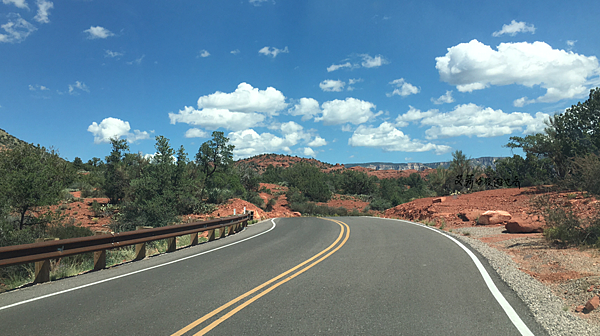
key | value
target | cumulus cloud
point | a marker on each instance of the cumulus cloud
(309, 152)
(413, 114)
(19, 3)
(115, 128)
(318, 142)
(273, 52)
(475, 66)
(203, 53)
(246, 99)
(38, 87)
(196, 133)
(112, 54)
(213, 118)
(471, 119)
(515, 27)
(523, 101)
(390, 139)
(43, 11)
(235, 52)
(98, 33)
(403, 88)
(335, 67)
(444, 99)
(17, 29)
(248, 142)
(373, 62)
(78, 86)
(351, 110)
(331, 85)
(306, 107)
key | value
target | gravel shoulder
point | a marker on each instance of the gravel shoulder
(551, 281)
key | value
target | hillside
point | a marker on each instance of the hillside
(487, 161)
(8, 141)
(262, 161)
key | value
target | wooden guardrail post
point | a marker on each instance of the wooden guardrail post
(194, 239)
(140, 249)
(171, 244)
(211, 235)
(42, 268)
(100, 256)
(222, 232)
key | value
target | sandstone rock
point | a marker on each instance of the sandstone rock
(523, 226)
(579, 309)
(592, 304)
(296, 214)
(591, 288)
(494, 217)
(438, 200)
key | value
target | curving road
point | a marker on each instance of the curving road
(292, 276)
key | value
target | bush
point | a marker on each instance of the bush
(254, 198)
(270, 204)
(380, 204)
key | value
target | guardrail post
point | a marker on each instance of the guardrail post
(140, 249)
(194, 239)
(42, 268)
(222, 232)
(211, 235)
(171, 244)
(100, 256)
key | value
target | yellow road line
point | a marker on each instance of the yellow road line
(344, 228)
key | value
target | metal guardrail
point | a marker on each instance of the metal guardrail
(42, 252)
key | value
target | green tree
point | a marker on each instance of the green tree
(116, 180)
(357, 183)
(214, 155)
(31, 177)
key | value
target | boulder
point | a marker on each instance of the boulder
(438, 200)
(494, 217)
(296, 214)
(592, 304)
(468, 215)
(522, 226)
(579, 309)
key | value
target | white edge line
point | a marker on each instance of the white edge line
(508, 309)
(135, 272)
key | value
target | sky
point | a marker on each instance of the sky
(343, 81)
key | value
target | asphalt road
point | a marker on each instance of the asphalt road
(369, 277)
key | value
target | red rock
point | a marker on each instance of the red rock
(296, 214)
(523, 226)
(591, 288)
(494, 217)
(592, 304)
(438, 200)
(579, 309)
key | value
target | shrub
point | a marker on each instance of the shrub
(380, 204)
(270, 204)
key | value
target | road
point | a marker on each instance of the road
(292, 276)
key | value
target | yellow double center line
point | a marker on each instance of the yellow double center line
(291, 273)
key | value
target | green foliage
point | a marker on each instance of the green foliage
(380, 204)
(116, 179)
(254, 198)
(585, 174)
(31, 177)
(309, 180)
(270, 204)
(357, 183)
(213, 156)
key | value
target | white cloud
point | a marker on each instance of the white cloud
(258, 2)
(351, 110)
(515, 27)
(38, 87)
(523, 101)
(248, 142)
(413, 114)
(373, 62)
(307, 108)
(475, 66)
(213, 118)
(268, 51)
(17, 29)
(390, 139)
(471, 119)
(318, 142)
(19, 3)
(335, 67)
(445, 98)
(78, 86)
(43, 11)
(235, 52)
(309, 152)
(246, 99)
(331, 85)
(346, 128)
(352, 81)
(112, 127)
(403, 88)
(137, 61)
(571, 43)
(98, 33)
(203, 53)
(112, 54)
(196, 133)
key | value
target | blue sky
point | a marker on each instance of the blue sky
(342, 81)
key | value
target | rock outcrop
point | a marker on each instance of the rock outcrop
(494, 217)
